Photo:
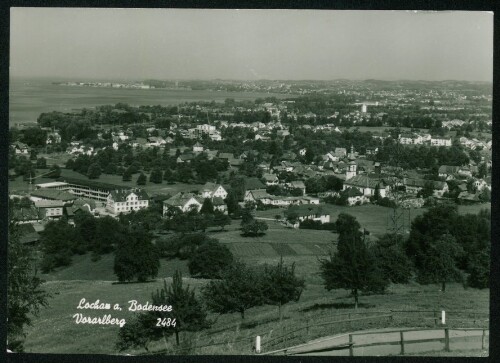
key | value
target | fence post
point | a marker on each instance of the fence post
(402, 343)
(349, 320)
(435, 318)
(446, 340)
(351, 349)
(307, 327)
(482, 339)
(257, 344)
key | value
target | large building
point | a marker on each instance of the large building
(82, 188)
(125, 201)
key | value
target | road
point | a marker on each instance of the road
(459, 340)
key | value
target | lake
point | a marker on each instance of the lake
(29, 98)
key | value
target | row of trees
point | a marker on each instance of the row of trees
(442, 247)
(238, 289)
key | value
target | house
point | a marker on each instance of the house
(413, 186)
(257, 195)
(21, 148)
(28, 214)
(183, 202)
(270, 179)
(301, 213)
(440, 141)
(253, 184)
(156, 141)
(50, 208)
(53, 138)
(212, 190)
(185, 158)
(297, 184)
(366, 185)
(219, 205)
(226, 156)
(354, 196)
(126, 200)
(448, 171)
(197, 148)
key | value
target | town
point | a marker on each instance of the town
(216, 185)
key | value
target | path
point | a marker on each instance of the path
(459, 340)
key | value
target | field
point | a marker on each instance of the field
(55, 331)
(372, 217)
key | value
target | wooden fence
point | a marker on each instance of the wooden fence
(352, 345)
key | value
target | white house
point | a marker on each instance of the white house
(440, 141)
(124, 201)
(182, 201)
(213, 190)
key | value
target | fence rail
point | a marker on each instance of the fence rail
(353, 317)
(352, 345)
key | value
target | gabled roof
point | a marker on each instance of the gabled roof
(352, 192)
(253, 184)
(180, 199)
(53, 194)
(270, 177)
(448, 169)
(210, 187)
(49, 204)
(259, 194)
(121, 195)
(362, 181)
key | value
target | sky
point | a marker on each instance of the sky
(250, 44)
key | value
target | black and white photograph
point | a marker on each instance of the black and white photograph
(249, 182)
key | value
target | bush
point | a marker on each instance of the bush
(209, 260)
(254, 228)
(386, 202)
(310, 224)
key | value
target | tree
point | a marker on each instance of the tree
(281, 285)
(127, 175)
(94, 171)
(141, 179)
(353, 266)
(434, 223)
(33, 154)
(254, 228)
(41, 163)
(231, 201)
(24, 291)
(59, 241)
(138, 332)
(391, 258)
(156, 176)
(207, 207)
(168, 175)
(55, 171)
(136, 256)
(439, 264)
(238, 290)
(187, 309)
(209, 260)
(221, 220)
(479, 268)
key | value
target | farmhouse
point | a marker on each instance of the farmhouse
(366, 185)
(212, 190)
(300, 213)
(413, 186)
(50, 208)
(124, 201)
(182, 201)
